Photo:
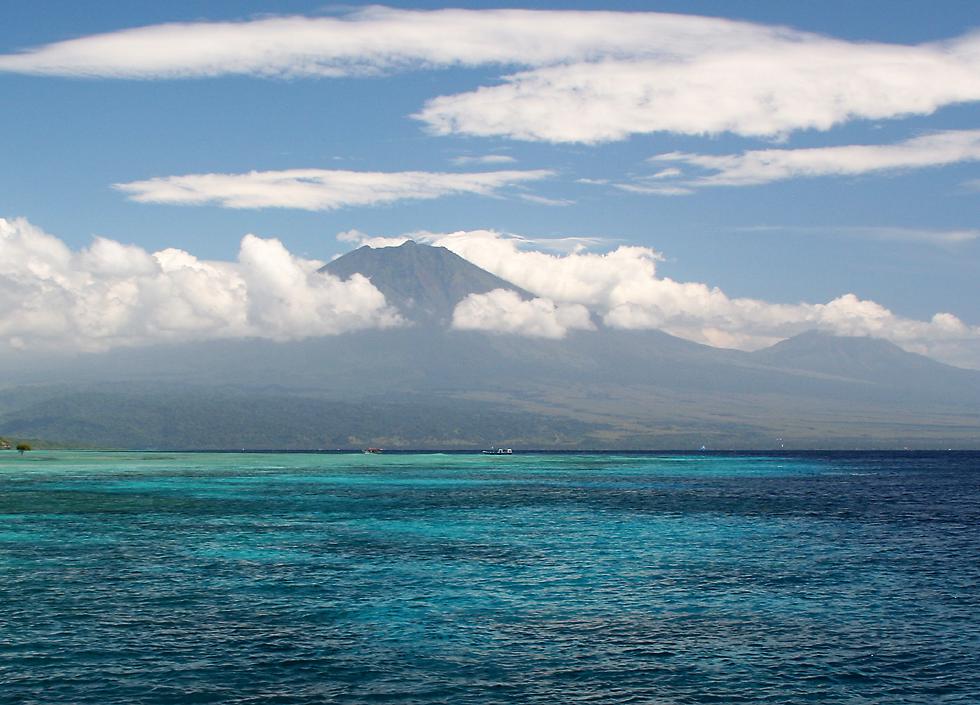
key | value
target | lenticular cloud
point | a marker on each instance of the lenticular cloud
(583, 77)
(111, 294)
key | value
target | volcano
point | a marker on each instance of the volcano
(423, 282)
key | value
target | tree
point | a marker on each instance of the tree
(21, 447)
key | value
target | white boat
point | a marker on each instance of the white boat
(498, 451)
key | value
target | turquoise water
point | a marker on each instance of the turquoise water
(306, 578)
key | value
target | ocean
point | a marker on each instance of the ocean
(660, 579)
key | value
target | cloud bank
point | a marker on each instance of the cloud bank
(115, 295)
(625, 290)
(588, 76)
(110, 294)
(319, 189)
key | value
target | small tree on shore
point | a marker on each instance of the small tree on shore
(22, 447)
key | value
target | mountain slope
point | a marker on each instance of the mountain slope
(863, 360)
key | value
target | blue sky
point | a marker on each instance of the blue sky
(897, 224)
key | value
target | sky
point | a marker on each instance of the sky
(731, 172)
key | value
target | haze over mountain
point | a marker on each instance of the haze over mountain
(427, 385)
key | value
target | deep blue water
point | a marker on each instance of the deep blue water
(660, 579)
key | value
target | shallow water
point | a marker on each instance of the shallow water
(292, 578)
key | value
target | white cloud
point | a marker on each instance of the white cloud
(319, 189)
(549, 244)
(504, 311)
(544, 201)
(766, 86)
(378, 39)
(591, 76)
(876, 232)
(485, 159)
(111, 294)
(361, 239)
(764, 166)
(624, 288)
(655, 190)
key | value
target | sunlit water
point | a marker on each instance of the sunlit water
(289, 578)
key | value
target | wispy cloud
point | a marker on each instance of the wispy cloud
(591, 76)
(564, 245)
(765, 166)
(544, 201)
(485, 159)
(655, 189)
(876, 232)
(319, 189)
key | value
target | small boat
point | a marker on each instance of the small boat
(498, 451)
(374, 451)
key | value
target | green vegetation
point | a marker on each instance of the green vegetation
(143, 416)
(176, 417)
(23, 447)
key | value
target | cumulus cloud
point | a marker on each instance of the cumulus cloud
(624, 288)
(763, 166)
(590, 76)
(319, 189)
(504, 311)
(111, 294)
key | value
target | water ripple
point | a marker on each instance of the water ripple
(448, 579)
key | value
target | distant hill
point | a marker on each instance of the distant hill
(427, 385)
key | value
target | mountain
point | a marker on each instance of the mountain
(423, 282)
(863, 361)
(427, 385)
(849, 357)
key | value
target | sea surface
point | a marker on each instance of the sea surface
(448, 578)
